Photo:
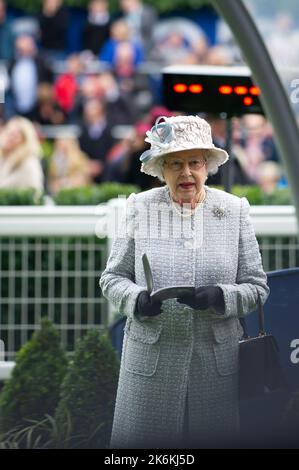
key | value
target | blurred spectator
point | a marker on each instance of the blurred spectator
(97, 28)
(133, 174)
(283, 41)
(6, 36)
(218, 55)
(53, 23)
(96, 139)
(219, 133)
(123, 160)
(20, 153)
(199, 51)
(47, 111)
(90, 88)
(268, 176)
(226, 39)
(120, 106)
(124, 61)
(257, 144)
(141, 20)
(27, 71)
(67, 84)
(173, 49)
(120, 33)
(268, 144)
(69, 166)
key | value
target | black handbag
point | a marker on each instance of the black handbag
(260, 371)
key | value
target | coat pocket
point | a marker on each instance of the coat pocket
(226, 348)
(142, 347)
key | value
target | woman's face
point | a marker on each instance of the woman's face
(12, 137)
(185, 174)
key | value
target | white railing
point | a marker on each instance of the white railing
(51, 261)
(48, 220)
(82, 220)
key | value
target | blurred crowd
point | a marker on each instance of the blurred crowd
(75, 119)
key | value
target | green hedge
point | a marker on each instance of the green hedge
(33, 389)
(94, 194)
(84, 414)
(20, 197)
(51, 401)
(257, 197)
(32, 6)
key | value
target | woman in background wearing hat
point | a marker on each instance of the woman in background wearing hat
(178, 381)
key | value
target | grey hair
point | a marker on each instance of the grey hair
(212, 165)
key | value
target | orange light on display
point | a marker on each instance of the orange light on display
(255, 90)
(241, 90)
(225, 89)
(247, 100)
(180, 88)
(195, 88)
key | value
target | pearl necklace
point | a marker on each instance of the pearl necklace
(192, 211)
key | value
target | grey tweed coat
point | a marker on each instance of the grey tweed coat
(182, 356)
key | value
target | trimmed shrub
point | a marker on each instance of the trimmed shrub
(85, 411)
(256, 197)
(280, 197)
(93, 194)
(253, 193)
(33, 389)
(20, 197)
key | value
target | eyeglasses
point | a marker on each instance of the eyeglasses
(178, 165)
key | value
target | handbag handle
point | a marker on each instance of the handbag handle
(261, 317)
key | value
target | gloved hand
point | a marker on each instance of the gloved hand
(146, 308)
(205, 297)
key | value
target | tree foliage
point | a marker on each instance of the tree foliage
(85, 411)
(33, 389)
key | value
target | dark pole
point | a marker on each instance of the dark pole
(273, 96)
(228, 169)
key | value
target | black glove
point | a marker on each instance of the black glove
(146, 308)
(205, 297)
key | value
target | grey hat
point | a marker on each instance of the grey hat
(176, 134)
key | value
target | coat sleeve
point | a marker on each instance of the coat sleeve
(118, 279)
(242, 297)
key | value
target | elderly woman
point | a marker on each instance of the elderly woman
(179, 369)
(20, 153)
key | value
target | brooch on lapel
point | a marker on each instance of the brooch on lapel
(220, 212)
